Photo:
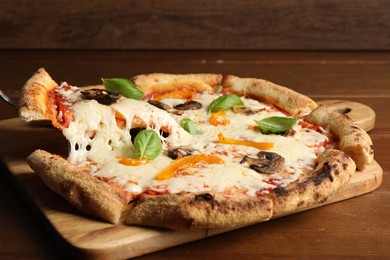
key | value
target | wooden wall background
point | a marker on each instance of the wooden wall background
(196, 24)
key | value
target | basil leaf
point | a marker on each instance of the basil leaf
(225, 102)
(190, 126)
(124, 86)
(148, 144)
(276, 124)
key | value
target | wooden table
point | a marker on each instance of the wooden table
(355, 228)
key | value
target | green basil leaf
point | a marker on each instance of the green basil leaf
(124, 86)
(225, 102)
(148, 144)
(190, 126)
(276, 124)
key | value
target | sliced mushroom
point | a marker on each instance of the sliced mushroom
(179, 152)
(267, 162)
(189, 105)
(238, 109)
(289, 132)
(103, 96)
(165, 107)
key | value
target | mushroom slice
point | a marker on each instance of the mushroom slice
(165, 107)
(289, 132)
(179, 152)
(189, 105)
(103, 96)
(267, 162)
(239, 109)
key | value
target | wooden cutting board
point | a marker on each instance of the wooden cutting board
(93, 238)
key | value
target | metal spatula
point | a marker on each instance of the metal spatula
(11, 101)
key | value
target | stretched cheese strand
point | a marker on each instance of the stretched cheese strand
(110, 140)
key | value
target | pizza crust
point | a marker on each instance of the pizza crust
(202, 210)
(286, 99)
(80, 189)
(353, 140)
(334, 170)
(33, 104)
(160, 82)
(217, 210)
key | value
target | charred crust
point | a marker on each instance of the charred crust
(207, 197)
(371, 149)
(226, 206)
(71, 191)
(68, 187)
(280, 191)
(250, 205)
(345, 166)
(323, 173)
(322, 200)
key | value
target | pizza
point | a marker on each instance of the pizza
(183, 151)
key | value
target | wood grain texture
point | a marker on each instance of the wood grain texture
(93, 238)
(196, 24)
(362, 114)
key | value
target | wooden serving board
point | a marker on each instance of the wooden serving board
(92, 238)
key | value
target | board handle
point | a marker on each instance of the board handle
(363, 115)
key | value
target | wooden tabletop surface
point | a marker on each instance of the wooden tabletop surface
(355, 228)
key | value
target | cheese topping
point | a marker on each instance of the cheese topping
(96, 137)
(103, 140)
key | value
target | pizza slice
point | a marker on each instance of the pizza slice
(96, 133)
(192, 151)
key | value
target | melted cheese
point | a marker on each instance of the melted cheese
(95, 137)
